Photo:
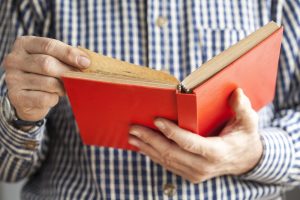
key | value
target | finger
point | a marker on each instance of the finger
(186, 140)
(168, 151)
(36, 63)
(151, 138)
(144, 147)
(46, 65)
(241, 105)
(63, 52)
(16, 79)
(155, 156)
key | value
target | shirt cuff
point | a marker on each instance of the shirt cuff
(277, 159)
(22, 144)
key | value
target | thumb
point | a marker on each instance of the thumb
(241, 105)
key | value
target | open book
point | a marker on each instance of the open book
(112, 94)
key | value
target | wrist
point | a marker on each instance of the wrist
(257, 153)
(10, 115)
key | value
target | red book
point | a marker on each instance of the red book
(111, 95)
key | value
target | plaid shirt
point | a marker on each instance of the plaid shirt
(176, 36)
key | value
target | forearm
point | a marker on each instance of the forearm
(20, 151)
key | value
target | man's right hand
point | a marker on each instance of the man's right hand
(33, 71)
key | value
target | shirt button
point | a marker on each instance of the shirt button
(31, 145)
(169, 190)
(161, 21)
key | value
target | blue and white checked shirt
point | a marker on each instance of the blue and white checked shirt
(188, 34)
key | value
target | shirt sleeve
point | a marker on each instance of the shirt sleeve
(21, 153)
(280, 162)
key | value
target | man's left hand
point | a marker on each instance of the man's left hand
(235, 151)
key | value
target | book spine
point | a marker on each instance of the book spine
(182, 89)
(187, 111)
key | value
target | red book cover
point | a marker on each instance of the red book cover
(104, 111)
(255, 72)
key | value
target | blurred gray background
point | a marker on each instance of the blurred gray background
(12, 192)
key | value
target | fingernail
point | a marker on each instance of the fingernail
(159, 124)
(84, 61)
(134, 132)
(133, 142)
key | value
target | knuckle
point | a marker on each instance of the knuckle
(170, 133)
(49, 45)
(145, 137)
(19, 41)
(45, 60)
(46, 65)
(167, 162)
(190, 146)
(9, 61)
(42, 101)
(11, 79)
(18, 100)
(167, 158)
(69, 54)
(50, 84)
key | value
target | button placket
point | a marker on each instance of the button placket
(158, 35)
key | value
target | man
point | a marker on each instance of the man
(39, 138)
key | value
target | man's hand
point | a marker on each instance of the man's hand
(33, 69)
(235, 151)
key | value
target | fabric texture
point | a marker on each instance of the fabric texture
(61, 167)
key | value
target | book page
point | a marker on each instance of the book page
(107, 65)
